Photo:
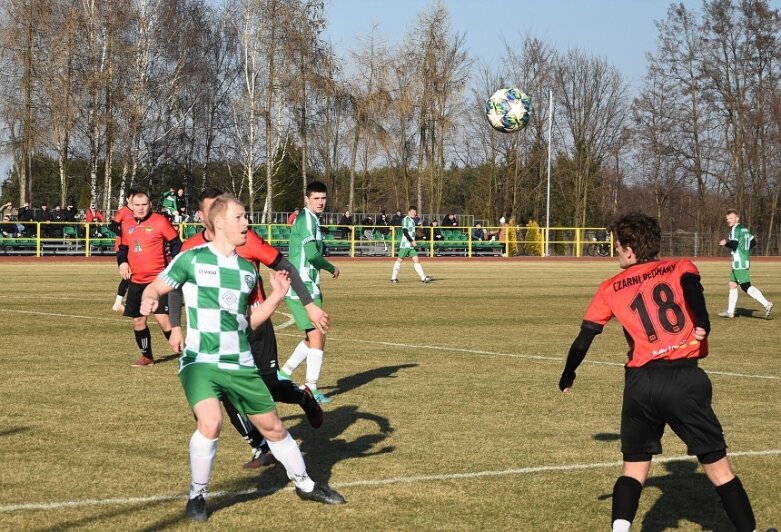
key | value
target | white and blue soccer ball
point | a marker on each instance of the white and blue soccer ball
(508, 110)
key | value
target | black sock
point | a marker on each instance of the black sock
(144, 341)
(250, 434)
(284, 391)
(735, 501)
(626, 497)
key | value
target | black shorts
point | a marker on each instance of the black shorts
(133, 301)
(263, 344)
(662, 393)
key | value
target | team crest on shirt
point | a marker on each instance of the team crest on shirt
(130, 230)
(249, 280)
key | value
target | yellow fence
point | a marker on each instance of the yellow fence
(62, 238)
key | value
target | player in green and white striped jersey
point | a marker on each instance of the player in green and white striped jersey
(407, 246)
(739, 242)
(217, 361)
(306, 254)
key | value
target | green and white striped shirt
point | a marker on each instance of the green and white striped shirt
(216, 293)
(408, 224)
(740, 256)
(305, 229)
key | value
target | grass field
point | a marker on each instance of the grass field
(446, 412)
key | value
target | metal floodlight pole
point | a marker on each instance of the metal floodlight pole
(547, 205)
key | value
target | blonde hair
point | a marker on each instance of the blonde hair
(220, 207)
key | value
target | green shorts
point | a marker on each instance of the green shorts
(740, 276)
(299, 313)
(407, 252)
(243, 387)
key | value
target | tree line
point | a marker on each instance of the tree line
(248, 95)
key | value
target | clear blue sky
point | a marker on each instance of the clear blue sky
(621, 31)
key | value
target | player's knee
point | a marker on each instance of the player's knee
(210, 426)
(745, 286)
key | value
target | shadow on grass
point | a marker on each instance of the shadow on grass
(607, 436)
(13, 430)
(167, 358)
(686, 495)
(757, 314)
(322, 448)
(346, 384)
(108, 517)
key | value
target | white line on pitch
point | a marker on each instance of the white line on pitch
(516, 355)
(376, 482)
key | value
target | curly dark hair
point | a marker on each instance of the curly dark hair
(640, 232)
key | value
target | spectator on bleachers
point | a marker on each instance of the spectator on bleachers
(437, 231)
(383, 222)
(9, 229)
(181, 201)
(69, 214)
(347, 218)
(449, 220)
(502, 234)
(397, 218)
(8, 209)
(94, 216)
(478, 233)
(26, 214)
(45, 216)
(292, 217)
(367, 221)
(168, 203)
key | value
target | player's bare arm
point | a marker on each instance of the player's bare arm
(151, 296)
(280, 283)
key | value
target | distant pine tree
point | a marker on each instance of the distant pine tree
(533, 245)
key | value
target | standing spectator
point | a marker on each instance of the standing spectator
(93, 218)
(383, 222)
(142, 255)
(306, 254)
(8, 209)
(449, 220)
(397, 219)
(44, 216)
(739, 242)
(69, 214)
(58, 216)
(661, 307)
(181, 200)
(407, 246)
(217, 285)
(291, 218)
(347, 218)
(26, 214)
(168, 203)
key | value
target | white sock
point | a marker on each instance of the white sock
(754, 292)
(288, 454)
(419, 268)
(298, 356)
(202, 452)
(396, 268)
(621, 525)
(732, 300)
(314, 362)
(118, 300)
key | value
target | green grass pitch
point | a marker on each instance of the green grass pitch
(446, 412)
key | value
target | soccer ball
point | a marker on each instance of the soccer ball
(508, 110)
